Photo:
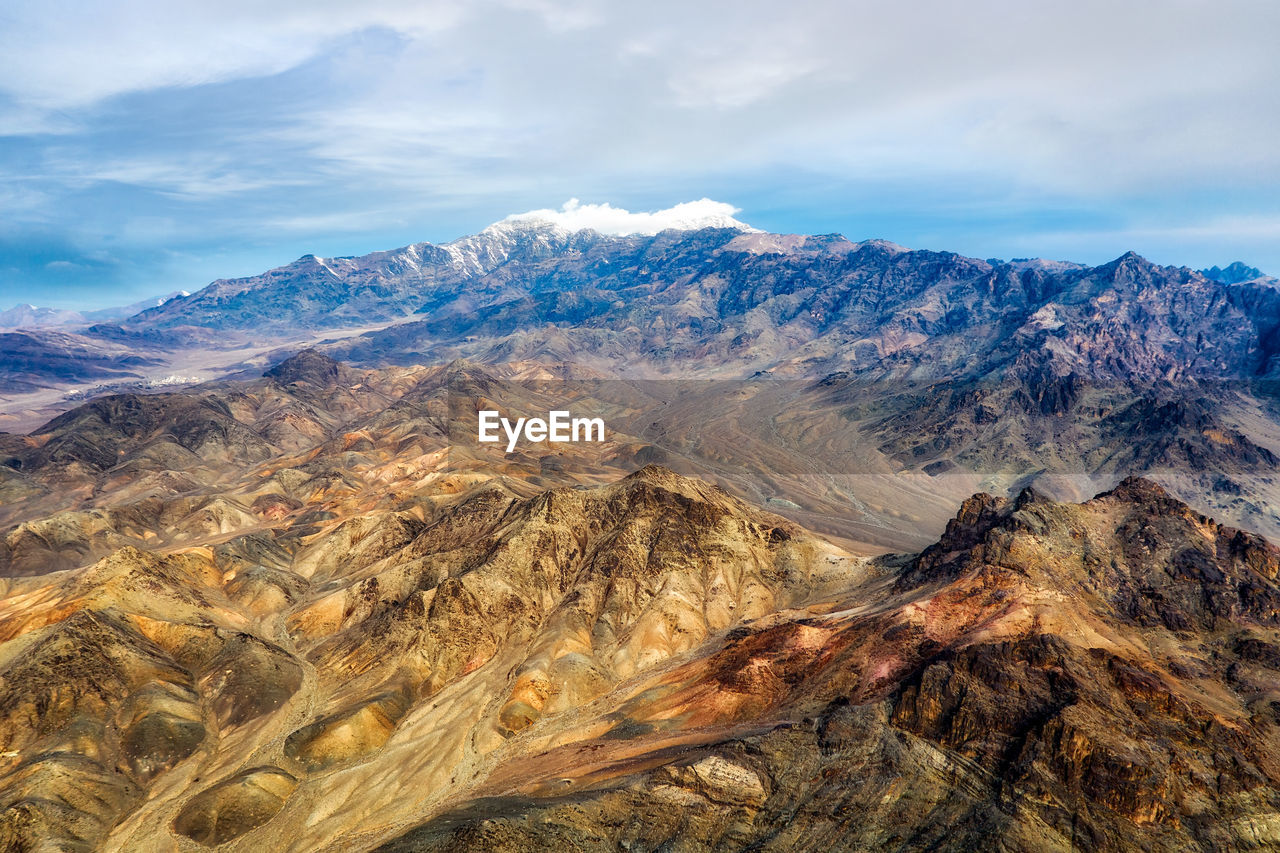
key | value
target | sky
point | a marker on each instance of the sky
(147, 147)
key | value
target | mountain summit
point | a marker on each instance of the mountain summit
(1234, 273)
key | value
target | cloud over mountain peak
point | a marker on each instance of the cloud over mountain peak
(617, 221)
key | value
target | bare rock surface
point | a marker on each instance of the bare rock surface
(646, 663)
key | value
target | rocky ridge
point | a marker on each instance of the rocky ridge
(921, 366)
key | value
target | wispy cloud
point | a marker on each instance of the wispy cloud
(183, 176)
(71, 53)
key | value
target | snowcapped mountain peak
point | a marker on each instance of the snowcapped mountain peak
(545, 231)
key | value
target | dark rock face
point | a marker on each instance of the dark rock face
(312, 367)
(96, 435)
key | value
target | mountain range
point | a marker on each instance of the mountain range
(884, 548)
(980, 373)
(28, 316)
(692, 297)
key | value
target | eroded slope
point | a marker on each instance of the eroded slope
(648, 663)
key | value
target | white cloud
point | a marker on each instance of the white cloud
(607, 219)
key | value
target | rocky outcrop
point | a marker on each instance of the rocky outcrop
(1010, 697)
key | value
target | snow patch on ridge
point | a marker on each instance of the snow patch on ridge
(617, 221)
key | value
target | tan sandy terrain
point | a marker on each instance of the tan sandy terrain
(295, 614)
